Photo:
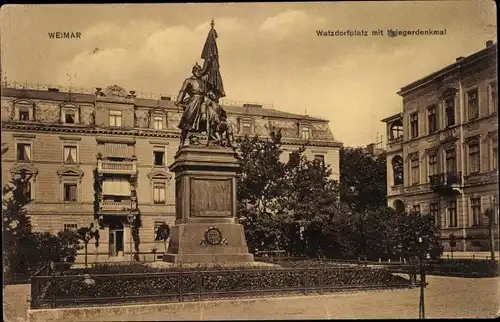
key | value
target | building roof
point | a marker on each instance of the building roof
(247, 109)
(392, 117)
(461, 61)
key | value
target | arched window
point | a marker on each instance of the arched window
(397, 170)
(399, 205)
(396, 130)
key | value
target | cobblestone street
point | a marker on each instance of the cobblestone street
(445, 297)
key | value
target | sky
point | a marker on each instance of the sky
(269, 53)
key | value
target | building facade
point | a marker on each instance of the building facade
(103, 157)
(442, 151)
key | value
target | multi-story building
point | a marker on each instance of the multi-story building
(442, 151)
(103, 157)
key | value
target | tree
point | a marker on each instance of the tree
(163, 233)
(411, 227)
(309, 199)
(86, 234)
(363, 179)
(16, 228)
(259, 187)
(25, 251)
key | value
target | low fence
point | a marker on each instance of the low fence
(195, 285)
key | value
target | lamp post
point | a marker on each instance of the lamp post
(421, 306)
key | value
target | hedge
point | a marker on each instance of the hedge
(461, 267)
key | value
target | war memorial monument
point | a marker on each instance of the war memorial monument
(206, 228)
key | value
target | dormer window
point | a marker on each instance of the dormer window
(246, 128)
(158, 123)
(115, 118)
(305, 133)
(24, 114)
(69, 117)
(69, 114)
(24, 110)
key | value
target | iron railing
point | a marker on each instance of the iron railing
(446, 179)
(195, 284)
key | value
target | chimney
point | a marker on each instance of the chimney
(252, 105)
(489, 43)
(459, 58)
(165, 98)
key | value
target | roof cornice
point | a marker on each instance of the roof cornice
(60, 128)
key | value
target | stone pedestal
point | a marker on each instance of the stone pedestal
(206, 228)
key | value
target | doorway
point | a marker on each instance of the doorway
(116, 238)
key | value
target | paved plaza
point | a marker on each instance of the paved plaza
(445, 297)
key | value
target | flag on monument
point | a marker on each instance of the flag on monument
(211, 66)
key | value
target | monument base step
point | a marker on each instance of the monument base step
(208, 258)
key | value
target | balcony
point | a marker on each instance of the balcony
(446, 180)
(117, 167)
(123, 207)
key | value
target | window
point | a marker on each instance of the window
(159, 193)
(434, 212)
(452, 213)
(116, 186)
(24, 114)
(450, 111)
(158, 224)
(159, 158)
(305, 133)
(416, 209)
(70, 226)
(494, 154)
(472, 104)
(432, 119)
(414, 125)
(69, 117)
(70, 191)
(320, 158)
(115, 118)
(451, 161)
(474, 161)
(433, 165)
(27, 191)
(475, 206)
(158, 122)
(23, 151)
(493, 99)
(415, 171)
(70, 154)
(396, 130)
(69, 113)
(397, 169)
(246, 128)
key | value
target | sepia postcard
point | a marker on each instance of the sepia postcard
(244, 161)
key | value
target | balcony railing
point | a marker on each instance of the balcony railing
(118, 167)
(446, 179)
(110, 205)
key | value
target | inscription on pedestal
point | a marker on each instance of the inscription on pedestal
(211, 197)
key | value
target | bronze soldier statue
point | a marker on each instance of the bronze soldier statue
(192, 118)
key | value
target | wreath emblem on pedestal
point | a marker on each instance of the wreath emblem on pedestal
(213, 236)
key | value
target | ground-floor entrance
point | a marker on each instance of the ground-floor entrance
(116, 236)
